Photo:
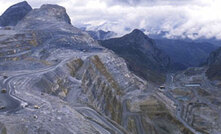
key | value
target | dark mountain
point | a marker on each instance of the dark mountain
(14, 14)
(184, 53)
(101, 35)
(214, 63)
(141, 54)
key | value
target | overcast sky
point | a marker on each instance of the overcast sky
(192, 18)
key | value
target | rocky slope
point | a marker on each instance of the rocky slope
(141, 55)
(58, 79)
(23, 59)
(198, 99)
(14, 14)
(214, 62)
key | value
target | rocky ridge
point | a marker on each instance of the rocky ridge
(141, 54)
(60, 80)
(14, 14)
(214, 62)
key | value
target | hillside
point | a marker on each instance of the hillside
(141, 55)
(185, 53)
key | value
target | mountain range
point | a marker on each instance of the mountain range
(56, 79)
(184, 53)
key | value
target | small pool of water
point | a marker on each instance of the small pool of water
(183, 98)
(192, 85)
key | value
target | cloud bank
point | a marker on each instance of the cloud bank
(183, 18)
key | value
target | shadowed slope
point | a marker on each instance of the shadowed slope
(141, 55)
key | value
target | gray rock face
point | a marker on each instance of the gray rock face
(41, 45)
(60, 80)
(199, 99)
(141, 54)
(14, 14)
(50, 26)
(46, 15)
(215, 57)
(214, 62)
(56, 11)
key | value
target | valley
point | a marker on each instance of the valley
(57, 79)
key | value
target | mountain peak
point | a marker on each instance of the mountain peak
(15, 13)
(141, 55)
(138, 34)
(137, 31)
(45, 16)
(23, 3)
(56, 11)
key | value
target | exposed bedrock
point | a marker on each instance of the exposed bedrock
(94, 81)
(64, 82)
(14, 14)
(199, 100)
(201, 117)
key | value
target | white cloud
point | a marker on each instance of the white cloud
(179, 17)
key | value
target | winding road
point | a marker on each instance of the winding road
(170, 85)
(19, 79)
(11, 102)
